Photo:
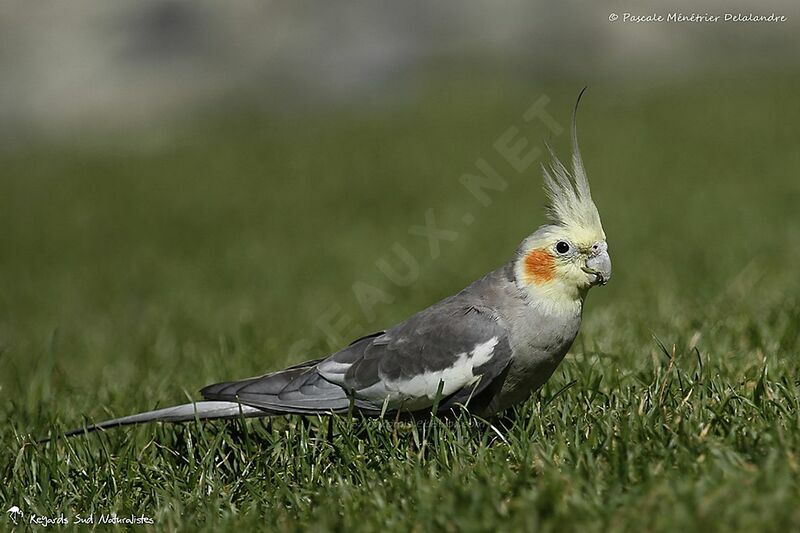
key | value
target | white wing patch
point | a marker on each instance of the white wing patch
(420, 391)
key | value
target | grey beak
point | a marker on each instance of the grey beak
(599, 263)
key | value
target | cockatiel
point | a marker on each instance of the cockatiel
(487, 347)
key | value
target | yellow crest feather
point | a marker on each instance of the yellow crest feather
(570, 199)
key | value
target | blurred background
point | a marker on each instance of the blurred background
(99, 65)
(193, 191)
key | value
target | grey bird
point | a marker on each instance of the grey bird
(485, 348)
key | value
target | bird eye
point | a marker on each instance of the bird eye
(562, 247)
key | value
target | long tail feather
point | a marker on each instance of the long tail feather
(204, 410)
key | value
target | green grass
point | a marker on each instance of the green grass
(133, 272)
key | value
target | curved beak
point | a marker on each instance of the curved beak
(599, 264)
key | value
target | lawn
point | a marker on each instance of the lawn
(137, 268)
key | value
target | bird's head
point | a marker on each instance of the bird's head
(562, 260)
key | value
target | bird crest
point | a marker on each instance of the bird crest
(570, 200)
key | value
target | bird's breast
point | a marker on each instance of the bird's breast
(539, 343)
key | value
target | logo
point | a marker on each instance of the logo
(15, 513)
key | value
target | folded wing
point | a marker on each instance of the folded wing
(449, 353)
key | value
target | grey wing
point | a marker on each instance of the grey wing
(298, 389)
(452, 350)
(459, 347)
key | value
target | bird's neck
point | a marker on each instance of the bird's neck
(553, 297)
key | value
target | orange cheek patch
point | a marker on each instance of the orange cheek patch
(539, 266)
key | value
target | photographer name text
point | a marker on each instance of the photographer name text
(89, 519)
(698, 18)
